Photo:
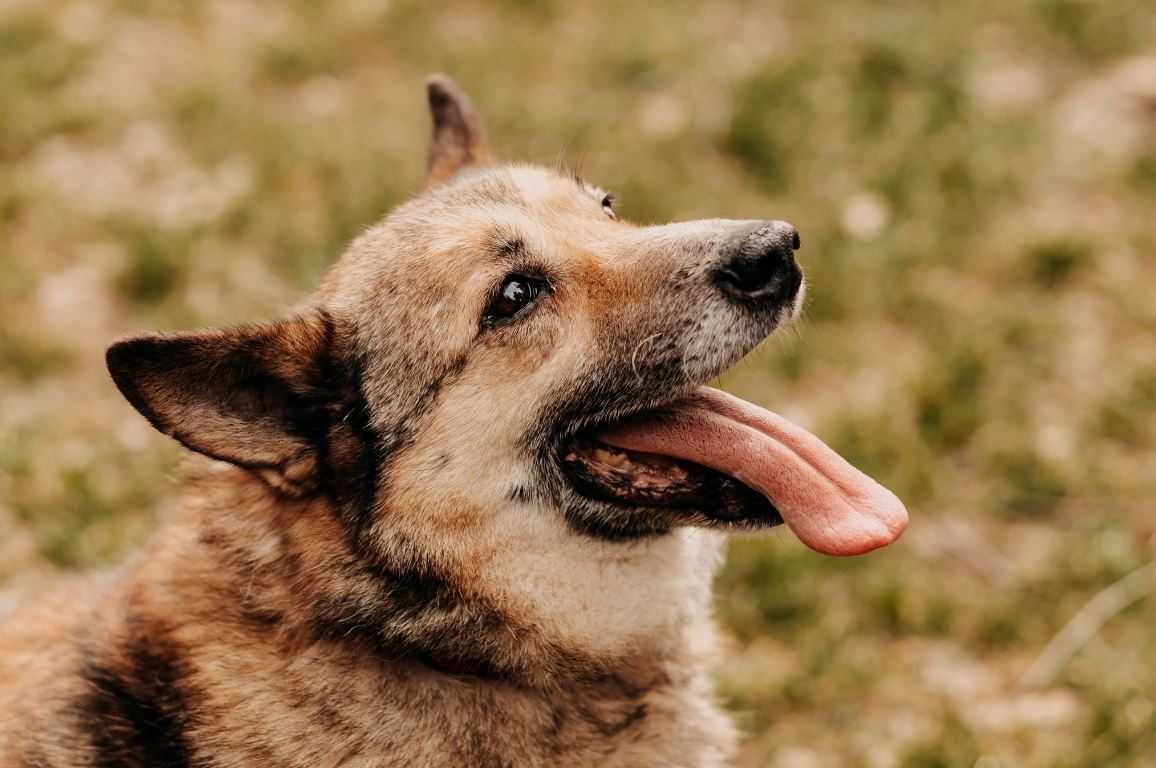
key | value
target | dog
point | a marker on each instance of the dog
(461, 507)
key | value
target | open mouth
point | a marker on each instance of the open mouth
(637, 478)
(733, 462)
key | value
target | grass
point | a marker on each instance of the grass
(978, 335)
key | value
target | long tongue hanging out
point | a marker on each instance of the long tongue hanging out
(831, 506)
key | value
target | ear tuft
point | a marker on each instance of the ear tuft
(255, 396)
(459, 139)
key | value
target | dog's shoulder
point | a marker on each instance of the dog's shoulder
(36, 621)
(40, 658)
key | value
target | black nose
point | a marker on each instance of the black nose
(762, 269)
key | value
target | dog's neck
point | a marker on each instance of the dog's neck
(527, 600)
(251, 616)
(245, 586)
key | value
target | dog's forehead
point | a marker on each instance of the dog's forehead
(527, 186)
(481, 209)
(463, 223)
(543, 187)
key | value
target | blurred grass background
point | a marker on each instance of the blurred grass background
(976, 187)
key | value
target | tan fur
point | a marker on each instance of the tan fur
(373, 564)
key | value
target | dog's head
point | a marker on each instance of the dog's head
(505, 369)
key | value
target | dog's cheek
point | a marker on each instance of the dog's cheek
(521, 349)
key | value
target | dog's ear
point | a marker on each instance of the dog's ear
(257, 396)
(459, 139)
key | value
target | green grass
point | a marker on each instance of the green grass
(978, 334)
(26, 358)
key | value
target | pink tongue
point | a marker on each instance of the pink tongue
(833, 507)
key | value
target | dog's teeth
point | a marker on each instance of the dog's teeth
(613, 458)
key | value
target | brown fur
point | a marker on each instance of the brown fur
(377, 561)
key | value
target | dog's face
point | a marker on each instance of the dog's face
(538, 314)
(504, 373)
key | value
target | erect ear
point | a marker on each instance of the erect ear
(260, 396)
(458, 136)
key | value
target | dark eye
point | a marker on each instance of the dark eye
(608, 206)
(516, 293)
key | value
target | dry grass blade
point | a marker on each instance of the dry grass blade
(1107, 603)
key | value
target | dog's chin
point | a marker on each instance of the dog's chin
(653, 492)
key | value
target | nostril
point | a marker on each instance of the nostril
(750, 275)
(796, 243)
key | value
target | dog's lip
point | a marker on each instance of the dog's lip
(831, 506)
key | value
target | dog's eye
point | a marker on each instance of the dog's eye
(516, 293)
(608, 206)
